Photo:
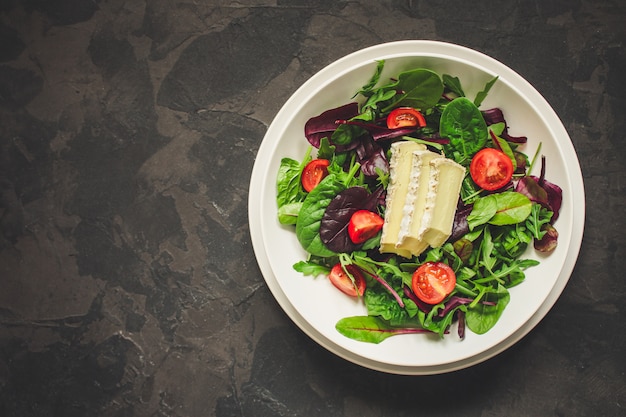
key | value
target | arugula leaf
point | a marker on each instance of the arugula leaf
(366, 90)
(381, 95)
(453, 84)
(347, 178)
(514, 240)
(433, 322)
(488, 258)
(383, 304)
(539, 217)
(311, 268)
(483, 94)
(326, 150)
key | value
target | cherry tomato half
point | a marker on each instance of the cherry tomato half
(433, 281)
(364, 225)
(342, 281)
(491, 169)
(313, 173)
(405, 117)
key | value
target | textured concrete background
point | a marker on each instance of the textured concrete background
(128, 284)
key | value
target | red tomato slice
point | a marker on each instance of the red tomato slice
(313, 173)
(491, 169)
(364, 225)
(433, 281)
(342, 281)
(405, 117)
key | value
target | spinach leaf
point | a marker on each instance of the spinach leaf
(288, 213)
(482, 211)
(508, 207)
(311, 213)
(288, 187)
(419, 88)
(482, 317)
(463, 124)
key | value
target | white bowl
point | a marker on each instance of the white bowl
(315, 306)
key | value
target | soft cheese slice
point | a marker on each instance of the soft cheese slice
(446, 178)
(399, 173)
(414, 218)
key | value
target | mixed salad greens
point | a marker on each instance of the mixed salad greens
(336, 197)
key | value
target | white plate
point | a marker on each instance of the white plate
(315, 306)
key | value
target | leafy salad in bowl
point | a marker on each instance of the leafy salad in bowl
(416, 202)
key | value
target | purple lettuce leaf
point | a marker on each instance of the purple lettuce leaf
(456, 301)
(379, 132)
(495, 115)
(549, 240)
(542, 191)
(460, 315)
(371, 156)
(326, 123)
(334, 223)
(460, 226)
(531, 189)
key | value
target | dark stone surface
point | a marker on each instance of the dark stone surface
(128, 283)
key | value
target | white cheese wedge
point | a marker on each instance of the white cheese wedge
(446, 178)
(416, 214)
(400, 165)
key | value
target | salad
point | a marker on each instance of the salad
(418, 202)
